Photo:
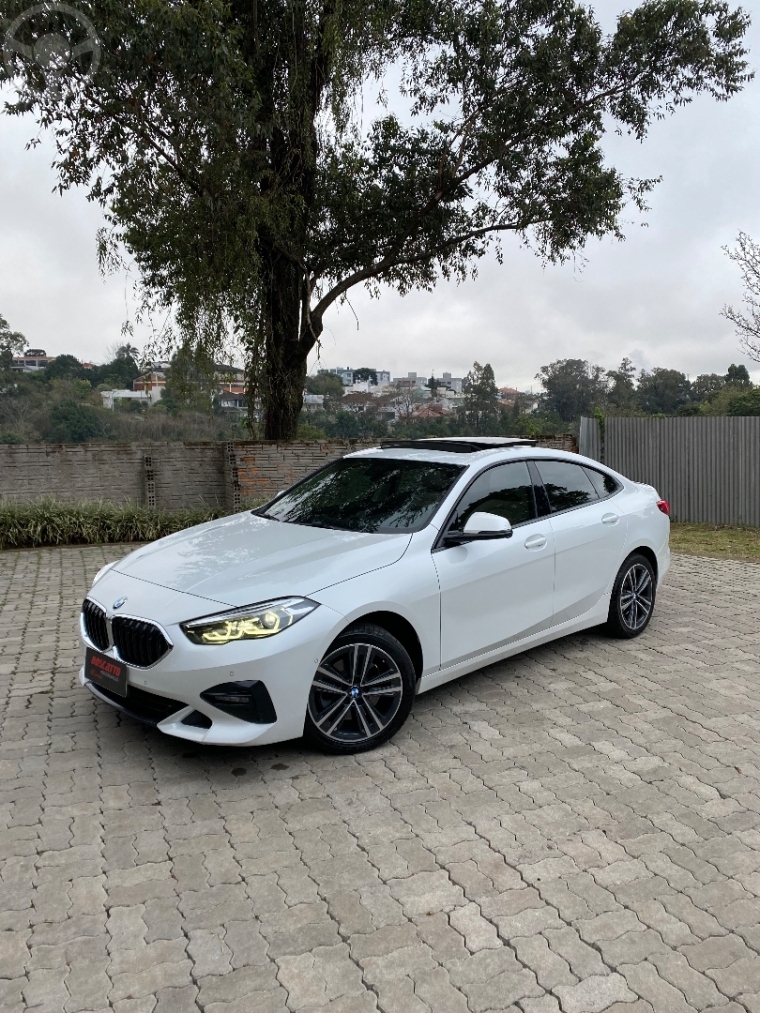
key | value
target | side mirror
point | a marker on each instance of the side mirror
(480, 527)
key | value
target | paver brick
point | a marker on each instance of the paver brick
(575, 829)
(594, 994)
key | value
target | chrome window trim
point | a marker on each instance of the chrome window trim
(112, 648)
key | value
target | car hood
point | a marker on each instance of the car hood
(246, 558)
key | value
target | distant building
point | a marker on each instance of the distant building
(154, 378)
(346, 375)
(358, 402)
(455, 383)
(33, 360)
(409, 382)
(148, 397)
(313, 402)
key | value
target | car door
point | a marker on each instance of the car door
(589, 534)
(495, 591)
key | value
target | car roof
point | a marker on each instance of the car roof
(503, 450)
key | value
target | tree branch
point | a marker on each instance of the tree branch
(390, 261)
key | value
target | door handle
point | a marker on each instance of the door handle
(610, 519)
(535, 542)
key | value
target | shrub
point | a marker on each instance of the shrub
(75, 422)
(47, 522)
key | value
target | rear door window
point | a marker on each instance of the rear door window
(567, 485)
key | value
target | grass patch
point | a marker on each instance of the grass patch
(716, 540)
(47, 522)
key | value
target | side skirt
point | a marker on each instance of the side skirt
(594, 617)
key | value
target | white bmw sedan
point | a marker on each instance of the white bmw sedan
(383, 575)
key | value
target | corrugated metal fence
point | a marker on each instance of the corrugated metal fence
(590, 439)
(708, 469)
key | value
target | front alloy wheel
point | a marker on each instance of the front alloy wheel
(632, 600)
(362, 691)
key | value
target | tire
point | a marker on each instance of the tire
(633, 597)
(342, 716)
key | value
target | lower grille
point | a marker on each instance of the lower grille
(139, 704)
(95, 624)
(138, 642)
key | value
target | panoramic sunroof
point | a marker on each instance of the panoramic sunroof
(459, 444)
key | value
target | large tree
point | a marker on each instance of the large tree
(11, 343)
(228, 143)
(480, 409)
(572, 388)
(663, 391)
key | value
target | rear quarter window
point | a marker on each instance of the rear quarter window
(605, 485)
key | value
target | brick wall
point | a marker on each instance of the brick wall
(172, 475)
(263, 469)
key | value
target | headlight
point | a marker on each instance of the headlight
(101, 571)
(249, 623)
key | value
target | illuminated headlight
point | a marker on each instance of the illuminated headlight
(102, 571)
(249, 623)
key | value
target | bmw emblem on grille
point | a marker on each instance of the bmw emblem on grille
(118, 603)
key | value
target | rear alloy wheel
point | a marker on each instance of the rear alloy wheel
(632, 600)
(362, 691)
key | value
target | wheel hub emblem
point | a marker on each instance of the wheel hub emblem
(354, 692)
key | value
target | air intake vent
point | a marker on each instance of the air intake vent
(95, 624)
(138, 642)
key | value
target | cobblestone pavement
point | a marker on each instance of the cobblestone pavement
(577, 829)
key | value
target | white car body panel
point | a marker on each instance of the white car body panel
(409, 589)
(244, 558)
(492, 591)
(469, 605)
(589, 546)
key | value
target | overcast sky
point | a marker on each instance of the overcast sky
(655, 298)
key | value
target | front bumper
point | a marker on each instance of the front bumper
(169, 695)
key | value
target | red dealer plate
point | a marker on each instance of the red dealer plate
(106, 672)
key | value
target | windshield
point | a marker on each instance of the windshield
(374, 494)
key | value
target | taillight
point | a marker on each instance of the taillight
(664, 507)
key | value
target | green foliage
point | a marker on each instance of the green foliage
(328, 384)
(75, 422)
(663, 391)
(115, 375)
(47, 522)
(190, 382)
(11, 343)
(572, 388)
(480, 410)
(365, 373)
(738, 376)
(64, 367)
(225, 142)
(734, 400)
(306, 431)
(707, 385)
(621, 389)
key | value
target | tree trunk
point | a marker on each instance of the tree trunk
(287, 343)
